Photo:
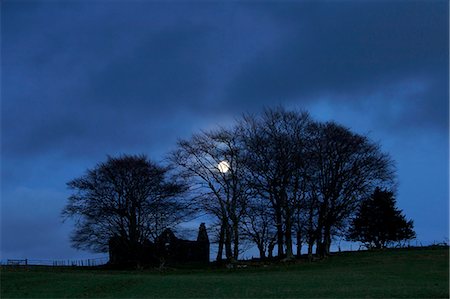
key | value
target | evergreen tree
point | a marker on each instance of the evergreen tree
(378, 222)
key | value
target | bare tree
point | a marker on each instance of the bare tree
(274, 145)
(347, 167)
(127, 197)
(312, 174)
(258, 226)
(211, 162)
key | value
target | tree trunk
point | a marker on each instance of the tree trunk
(299, 243)
(279, 234)
(133, 235)
(326, 241)
(310, 232)
(221, 242)
(270, 250)
(318, 240)
(320, 237)
(236, 241)
(327, 245)
(319, 247)
(310, 248)
(288, 235)
(228, 250)
(262, 252)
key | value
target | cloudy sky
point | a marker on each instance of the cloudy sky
(84, 79)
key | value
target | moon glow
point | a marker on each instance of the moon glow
(223, 167)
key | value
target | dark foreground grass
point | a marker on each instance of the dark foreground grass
(417, 273)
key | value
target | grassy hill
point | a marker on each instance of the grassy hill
(417, 273)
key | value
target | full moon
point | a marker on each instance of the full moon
(223, 167)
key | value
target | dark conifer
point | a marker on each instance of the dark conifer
(378, 222)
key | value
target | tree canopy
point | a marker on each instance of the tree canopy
(129, 197)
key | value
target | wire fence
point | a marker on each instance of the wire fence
(56, 263)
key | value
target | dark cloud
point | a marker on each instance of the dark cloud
(351, 51)
(95, 74)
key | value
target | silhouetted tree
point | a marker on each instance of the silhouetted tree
(310, 222)
(345, 168)
(284, 171)
(127, 197)
(258, 225)
(274, 145)
(378, 222)
(212, 164)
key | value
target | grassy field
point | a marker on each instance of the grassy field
(417, 273)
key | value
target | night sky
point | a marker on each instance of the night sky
(81, 80)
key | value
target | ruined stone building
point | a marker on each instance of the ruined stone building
(167, 249)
